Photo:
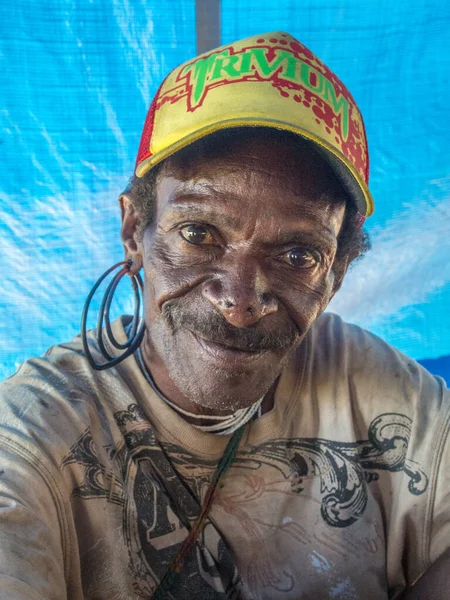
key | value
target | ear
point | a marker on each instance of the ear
(129, 232)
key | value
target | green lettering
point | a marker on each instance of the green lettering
(246, 68)
(199, 75)
(285, 60)
(305, 76)
(227, 65)
(224, 66)
(338, 105)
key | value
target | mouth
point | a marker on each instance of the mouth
(228, 353)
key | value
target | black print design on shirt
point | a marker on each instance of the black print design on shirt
(159, 505)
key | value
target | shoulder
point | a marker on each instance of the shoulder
(331, 335)
(52, 400)
(364, 384)
(343, 350)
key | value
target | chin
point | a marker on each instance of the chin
(222, 390)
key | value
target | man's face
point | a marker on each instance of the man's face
(238, 264)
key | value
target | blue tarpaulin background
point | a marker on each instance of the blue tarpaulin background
(76, 80)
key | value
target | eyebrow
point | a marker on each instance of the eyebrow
(323, 241)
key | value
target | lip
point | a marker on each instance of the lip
(228, 353)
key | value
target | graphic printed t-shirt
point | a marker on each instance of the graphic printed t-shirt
(340, 491)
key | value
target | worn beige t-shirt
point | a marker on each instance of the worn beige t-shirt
(341, 491)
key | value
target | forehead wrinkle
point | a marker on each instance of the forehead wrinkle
(229, 189)
(246, 169)
(309, 208)
(190, 207)
(199, 191)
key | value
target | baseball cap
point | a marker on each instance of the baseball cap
(269, 80)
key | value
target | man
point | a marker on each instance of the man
(237, 443)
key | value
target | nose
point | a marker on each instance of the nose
(241, 294)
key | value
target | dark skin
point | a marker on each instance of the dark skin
(237, 265)
(259, 261)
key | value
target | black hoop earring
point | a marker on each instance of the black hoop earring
(136, 330)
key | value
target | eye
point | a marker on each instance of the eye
(302, 258)
(196, 234)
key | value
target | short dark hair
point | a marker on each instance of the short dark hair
(142, 193)
(353, 240)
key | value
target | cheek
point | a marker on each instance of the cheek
(307, 297)
(172, 252)
(171, 271)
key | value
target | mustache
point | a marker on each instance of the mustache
(210, 325)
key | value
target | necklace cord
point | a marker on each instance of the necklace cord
(172, 574)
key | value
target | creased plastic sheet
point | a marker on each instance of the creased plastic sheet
(76, 80)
